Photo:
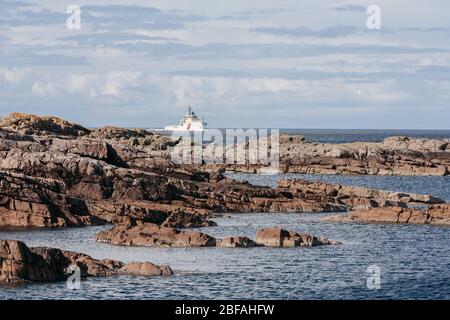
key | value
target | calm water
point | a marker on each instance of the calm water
(436, 186)
(414, 260)
(354, 135)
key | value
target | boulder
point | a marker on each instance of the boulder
(237, 242)
(145, 269)
(22, 264)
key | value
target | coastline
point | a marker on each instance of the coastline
(56, 174)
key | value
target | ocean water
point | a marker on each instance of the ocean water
(432, 185)
(353, 135)
(414, 260)
(365, 135)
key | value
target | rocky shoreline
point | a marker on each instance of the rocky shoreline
(57, 174)
(22, 264)
(400, 156)
(434, 215)
(151, 235)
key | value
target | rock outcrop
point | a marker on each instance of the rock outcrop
(393, 156)
(277, 237)
(144, 269)
(76, 177)
(152, 235)
(22, 264)
(435, 215)
(354, 197)
(39, 125)
(38, 202)
(54, 173)
(237, 242)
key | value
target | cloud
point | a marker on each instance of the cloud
(330, 32)
(113, 84)
(28, 57)
(113, 38)
(216, 51)
(7, 5)
(137, 64)
(25, 14)
(203, 90)
(115, 81)
(97, 17)
(118, 17)
(294, 73)
(12, 75)
(42, 89)
(350, 7)
(255, 13)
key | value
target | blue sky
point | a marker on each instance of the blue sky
(285, 63)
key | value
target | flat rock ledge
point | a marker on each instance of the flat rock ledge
(393, 156)
(151, 235)
(435, 215)
(277, 237)
(22, 264)
(354, 197)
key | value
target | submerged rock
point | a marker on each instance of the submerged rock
(277, 237)
(145, 269)
(21, 264)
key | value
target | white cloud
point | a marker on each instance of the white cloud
(106, 52)
(188, 89)
(42, 89)
(116, 81)
(112, 84)
(12, 75)
(79, 82)
(217, 62)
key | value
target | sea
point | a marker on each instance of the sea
(348, 135)
(374, 261)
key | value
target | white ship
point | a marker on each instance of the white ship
(190, 122)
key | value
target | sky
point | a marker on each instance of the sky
(250, 64)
